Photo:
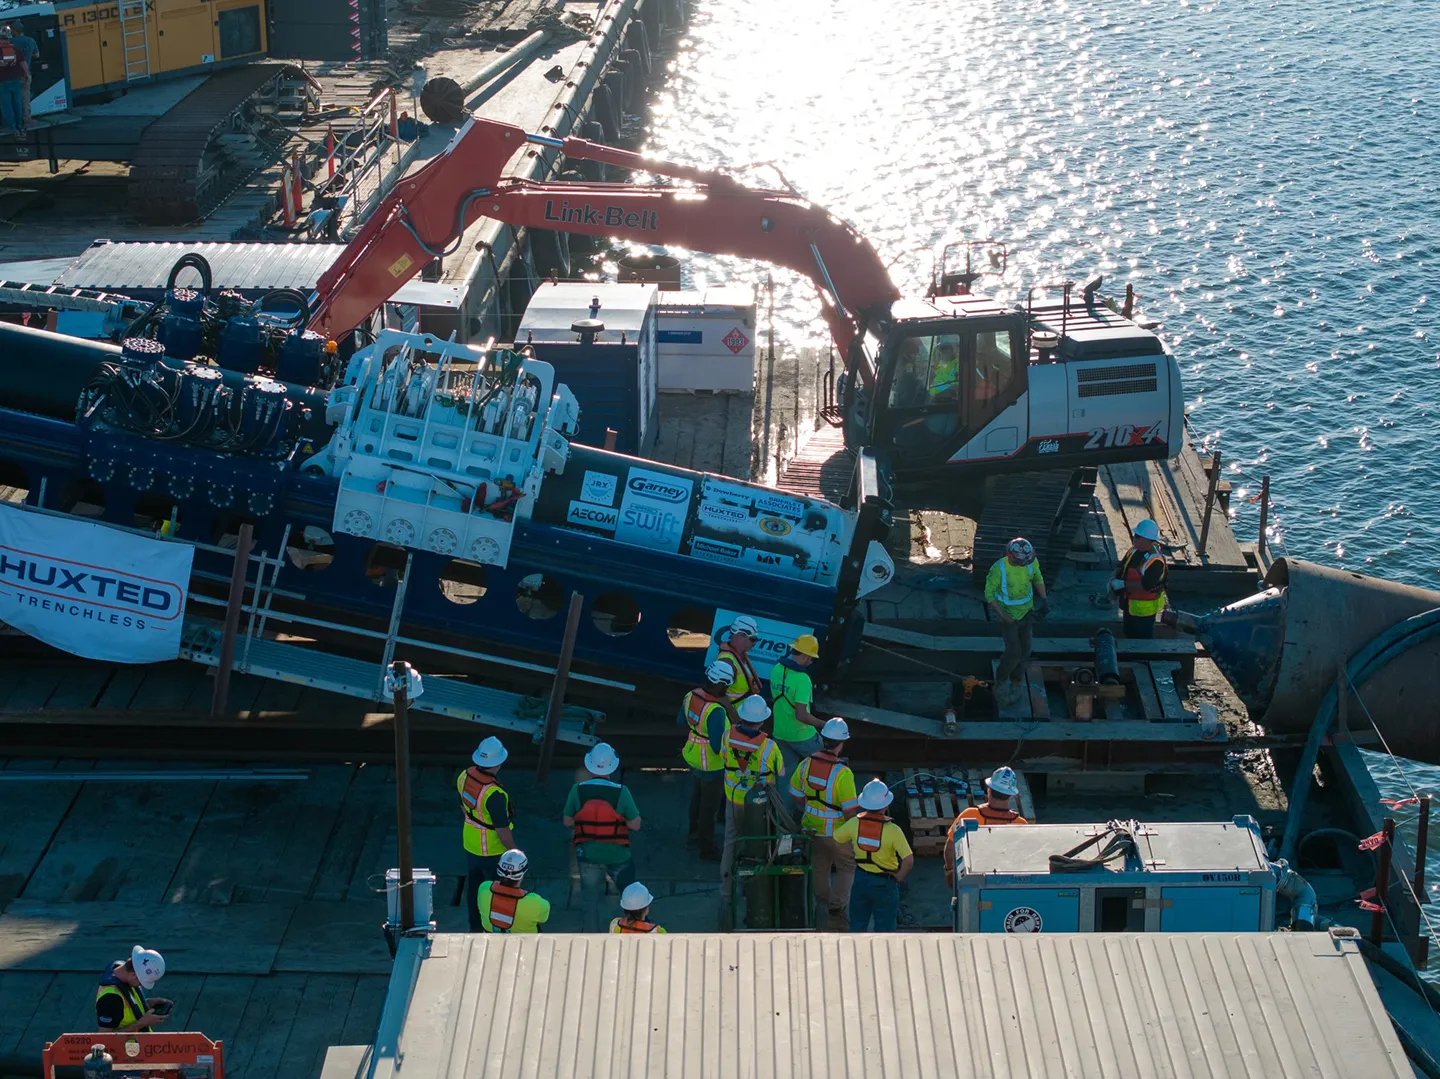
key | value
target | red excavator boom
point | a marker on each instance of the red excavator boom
(426, 216)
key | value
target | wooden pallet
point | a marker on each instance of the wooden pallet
(935, 805)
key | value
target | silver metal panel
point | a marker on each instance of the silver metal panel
(118, 266)
(884, 1006)
(1166, 847)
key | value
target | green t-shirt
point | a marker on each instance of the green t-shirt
(790, 687)
(598, 850)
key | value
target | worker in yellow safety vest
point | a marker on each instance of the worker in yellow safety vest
(751, 759)
(1139, 581)
(635, 902)
(705, 713)
(825, 786)
(1015, 591)
(121, 1001)
(485, 809)
(735, 644)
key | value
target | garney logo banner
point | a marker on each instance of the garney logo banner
(93, 591)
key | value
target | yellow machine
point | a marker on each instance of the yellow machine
(111, 44)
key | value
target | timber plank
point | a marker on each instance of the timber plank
(198, 939)
(97, 855)
(368, 790)
(68, 999)
(1145, 690)
(33, 688)
(377, 850)
(736, 452)
(318, 1021)
(20, 996)
(1170, 706)
(33, 812)
(219, 1006)
(79, 688)
(262, 1031)
(292, 875)
(124, 684)
(277, 696)
(363, 1016)
(1125, 647)
(166, 688)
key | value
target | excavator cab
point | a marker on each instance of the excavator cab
(942, 381)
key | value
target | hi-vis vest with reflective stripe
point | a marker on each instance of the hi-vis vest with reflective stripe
(475, 786)
(1019, 598)
(747, 761)
(632, 925)
(132, 998)
(701, 710)
(1142, 603)
(869, 838)
(818, 775)
(504, 898)
(746, 681)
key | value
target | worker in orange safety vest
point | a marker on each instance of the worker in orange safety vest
(1001, 790)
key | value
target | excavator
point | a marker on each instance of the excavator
(955, 393)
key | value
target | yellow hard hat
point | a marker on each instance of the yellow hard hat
(806, 645)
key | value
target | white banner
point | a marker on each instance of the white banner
(776, 637)
(94, 591)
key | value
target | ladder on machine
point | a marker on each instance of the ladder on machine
(135, 39)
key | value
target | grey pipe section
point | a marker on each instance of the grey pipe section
(444, 100)
(1304, 907)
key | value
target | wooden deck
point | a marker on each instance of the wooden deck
(264, 897)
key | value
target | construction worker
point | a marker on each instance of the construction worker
(883, 858)
(602, 814)
(735, 645)
(945, 372)
(826, 788)
(1015, 591)
(485, 807)
(751, 758)
(121, 1002)
(1139, 581)
(635, 903)
(504, 906)
(705, 713)
(795, 729)
(1001, 790)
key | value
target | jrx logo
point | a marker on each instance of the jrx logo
(610, 216)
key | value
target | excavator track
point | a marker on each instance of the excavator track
(212, 141)
(1044, 507)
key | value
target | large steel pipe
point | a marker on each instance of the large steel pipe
(1283, 648)
(44, 372)
(443, 99)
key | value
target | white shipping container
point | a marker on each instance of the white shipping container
(706, 340)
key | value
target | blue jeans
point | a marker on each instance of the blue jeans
(592, 891)
(792, 753)
(481, 869)
(874, 896)
(12, 104)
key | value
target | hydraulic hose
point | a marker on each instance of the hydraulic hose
(1386, 646)
(192, 260)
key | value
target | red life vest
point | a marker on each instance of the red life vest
(9, 54)
(629, 925)
(472, 796)
(599, 818)
(504, 898)
(868, 840)
(817, 777)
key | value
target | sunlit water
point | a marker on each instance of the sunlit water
(1267, 175)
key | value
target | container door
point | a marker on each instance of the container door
(1209, 910)
(1119, 910)
(82, 52)
(239, 28)
(1030, 910)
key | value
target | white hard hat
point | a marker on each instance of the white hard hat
(635, 897)
(602, 760)
(1003, 781)
(837, 730)
(490, 754)
(719, 673)
(149, 966)
(876, 795)
(1021, 551)
(745, 624)
(512, 864)
(1148, 529)
(753, 710)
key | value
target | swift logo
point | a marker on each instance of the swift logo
(613, 217)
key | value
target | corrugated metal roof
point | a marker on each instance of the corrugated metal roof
(884, 1006)
(117, 267)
